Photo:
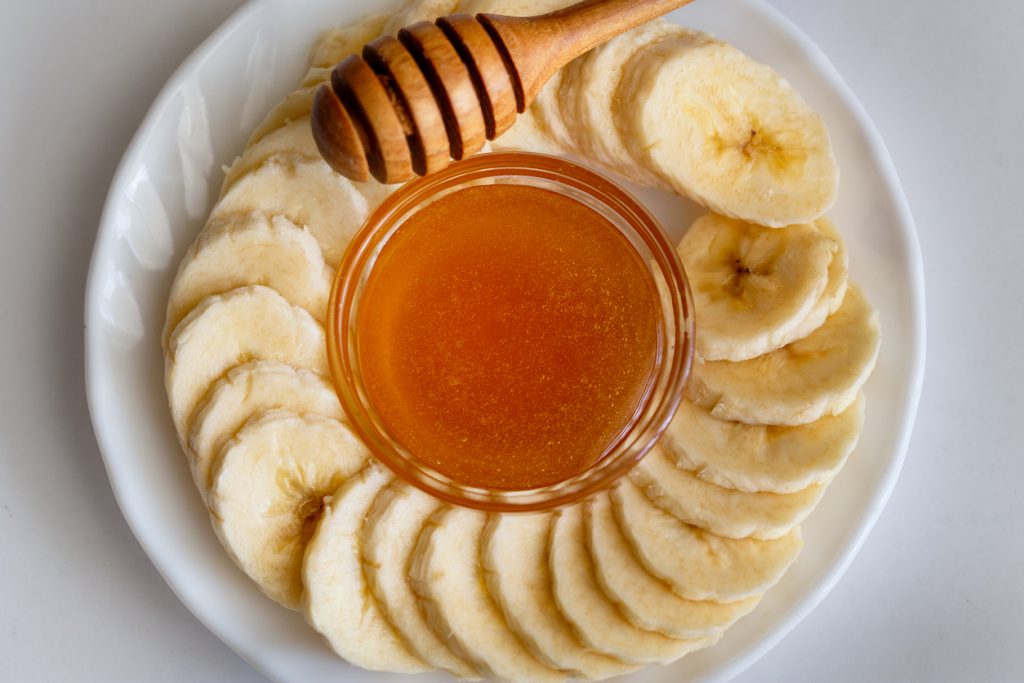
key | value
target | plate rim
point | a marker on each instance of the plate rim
(876, 150)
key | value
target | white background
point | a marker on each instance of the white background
(937, 594)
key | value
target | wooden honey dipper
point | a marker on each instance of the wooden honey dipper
(436, 92)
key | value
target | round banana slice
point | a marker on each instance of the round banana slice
(293, 106)
(414, 11)
(246, 249)
(723, 511)
(248, 390)
(752, 286)
(726, 131)
(307, 192)
(699, 565)
(515, 560)
(835, 291)
(447, 576)
(337, 43)
(762, 457)
(647, 601)
(294, 139)
(393, 524)
(799, 383)
(269, 491)
(526, 135)
(337, 601)
(585, 97)
(597, 621)
(234, 328)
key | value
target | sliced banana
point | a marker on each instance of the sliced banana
(234, 328)
(645, 600)
(597, 621)
(248, 390)
(512, 8)
(585, 96)
(337, 43)
(308, 193)
(269, 490)
(799, 383)
(515, 561)
(447, 576)
(293, 106)
(753, 287)
(835, 291)
(295, 138)
(762, 457)
(393, 524)
(414, 11)
(526, 135)
(247, 249)
(697, 564)
(726, 131)
(723, 511)
(337, 601)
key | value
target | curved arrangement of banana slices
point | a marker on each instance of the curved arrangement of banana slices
(393, 526)
(816, 376)
(699, 565)
(269, 489)
(515, 561)
(648, 602)
(447, 576)
(775, 459)
(726, 131)
(723, 511)
(753, 287)
(226, 330)
(247, 390)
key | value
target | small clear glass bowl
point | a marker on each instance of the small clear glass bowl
(675, 334)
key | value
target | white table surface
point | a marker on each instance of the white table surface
(937, 592)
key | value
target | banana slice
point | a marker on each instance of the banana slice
(512, 8)
(414, 11)
(269, 490)
(585, 97)
(337, 600)
(245, 249)
(596, 620)
(337, 43)
(393, 524)
(726, 131)
(447, 576)
(308, 193)
(293, 106)
(800, 383)
(230, 329)
(699, 565)
(515, 561)
(762, 457)
(294, 139)
(527, 135)
(752, 287)
(722, 511)
(648, 602)
(248, 390)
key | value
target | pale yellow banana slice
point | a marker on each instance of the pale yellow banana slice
(393, 524)
(527, 135)
(726, 131)
(337, 601)
(248, 390)
(697, 564)
(723, 511)
(294, 139)
(293, 106)
(649, 602)
(597, 621)
(337, 43)
(800, 383)
(447, 576)
(512, 8)
(269, 490)
(752, 287)
(234, 328)
(585, 94)
(414, 11)
(835, 291)
(308, 193)
(246, 249)
(515, 561)
(762, 457)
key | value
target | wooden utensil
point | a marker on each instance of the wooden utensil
(436, 92)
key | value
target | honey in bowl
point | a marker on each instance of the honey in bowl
(507, 335)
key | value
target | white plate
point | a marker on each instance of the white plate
(163, 190)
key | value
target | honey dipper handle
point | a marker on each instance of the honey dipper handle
(536, 47)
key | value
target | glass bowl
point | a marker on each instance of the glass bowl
(675, 344)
